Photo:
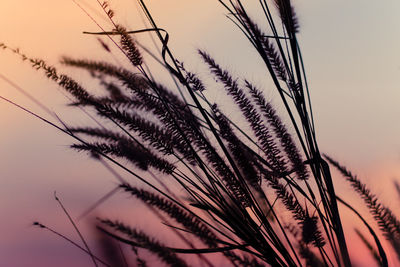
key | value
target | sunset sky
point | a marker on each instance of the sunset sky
(352, 58)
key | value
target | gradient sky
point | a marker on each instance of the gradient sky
(351, 52)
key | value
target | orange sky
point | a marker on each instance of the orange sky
(352, 59)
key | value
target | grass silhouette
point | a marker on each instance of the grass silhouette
(234, 184)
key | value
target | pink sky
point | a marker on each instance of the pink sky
(351, 55)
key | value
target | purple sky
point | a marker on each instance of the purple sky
(351, 52)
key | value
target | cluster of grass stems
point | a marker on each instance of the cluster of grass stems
(257, 197)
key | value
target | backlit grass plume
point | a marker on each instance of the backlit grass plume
(256, 197)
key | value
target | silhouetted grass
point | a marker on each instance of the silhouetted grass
(235, 185)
